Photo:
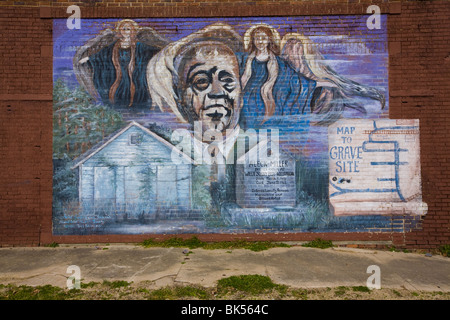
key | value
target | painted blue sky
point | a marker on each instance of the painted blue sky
(345, 41)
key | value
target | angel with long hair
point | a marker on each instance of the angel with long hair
(271, 88)
(287, 77)
(112, 66)
(335, 93)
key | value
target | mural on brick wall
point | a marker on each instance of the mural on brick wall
(229, 125)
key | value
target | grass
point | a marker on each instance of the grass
(319, 243)
(250, 284)
(46, 292)
(300, 294)
(394, 249)
(361, 289)
(88, 285)
(178, 292)
(445, 250)
(398, 294)
(341, 290)
(52, 245)
(194, 243)
(244, 287)
(116, 284)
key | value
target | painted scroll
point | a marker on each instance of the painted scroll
(375, 167)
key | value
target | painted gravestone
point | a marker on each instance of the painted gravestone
(265, 181)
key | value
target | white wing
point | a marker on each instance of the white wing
(337, 91)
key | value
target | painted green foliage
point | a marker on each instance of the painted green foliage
(78, 122)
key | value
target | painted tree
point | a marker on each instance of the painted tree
(79, 122)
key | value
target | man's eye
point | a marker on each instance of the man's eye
(201, 83)
(227, 80)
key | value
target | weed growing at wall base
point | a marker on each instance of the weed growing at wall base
(319, 243)
(194, 243)
(445, 250)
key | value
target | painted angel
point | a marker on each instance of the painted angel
(112, 66)
(286, 77)
(334, 93)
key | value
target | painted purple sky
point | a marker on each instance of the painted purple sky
(347, 44)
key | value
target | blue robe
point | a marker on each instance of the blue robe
(105, 75)
(292, 93)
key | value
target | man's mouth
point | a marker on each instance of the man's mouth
(217, 112)
(216, 116)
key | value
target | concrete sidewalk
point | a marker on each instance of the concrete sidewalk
(295, 266)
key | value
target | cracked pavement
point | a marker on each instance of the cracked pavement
(295, 266)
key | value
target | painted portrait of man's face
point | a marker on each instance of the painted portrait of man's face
(210, 88)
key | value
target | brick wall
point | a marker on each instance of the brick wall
(418, 76)
(419, 68)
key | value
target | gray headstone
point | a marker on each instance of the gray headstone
(265, 182)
